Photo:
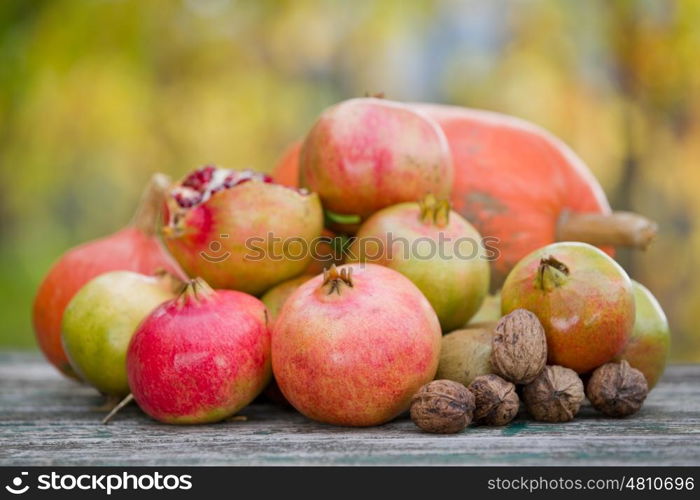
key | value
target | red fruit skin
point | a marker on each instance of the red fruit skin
(513, 180)
(202, 360)
(130, 249)
(286, 171)
(365, 154)
(589, 318)
(225, 239)
(355, 358)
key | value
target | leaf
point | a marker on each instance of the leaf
(342, 218)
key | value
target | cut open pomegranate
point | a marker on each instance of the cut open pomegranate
(238, 238)
(198, 186)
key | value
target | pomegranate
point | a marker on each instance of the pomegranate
(99, 321)
(238, 230)
(434, 247)
(134, 248)
(366, 154)
(274, 299)
(276, 296)
(200, 357)
(518, 183)
(351, 348)
(647, 348)
(582, 297)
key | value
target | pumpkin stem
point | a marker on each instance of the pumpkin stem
(551, 274)
(434, 211)
(334, 280)
(151, 204)
(616, 229)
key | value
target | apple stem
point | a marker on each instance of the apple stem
(128, 399)
(151, 204)
(616, 229)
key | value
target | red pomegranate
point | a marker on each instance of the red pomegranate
(200, 357)
(351, 348)
(583, 298)
(365, 154)
(518, 183)
(134, 248)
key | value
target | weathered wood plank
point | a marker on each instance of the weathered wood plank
(47, 420)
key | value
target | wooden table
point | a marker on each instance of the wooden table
(48, 420)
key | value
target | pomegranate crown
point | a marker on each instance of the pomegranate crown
(551, 273)
(334, 280)
(434, 211)
(196, 290)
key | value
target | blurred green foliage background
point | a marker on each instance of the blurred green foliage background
(95, 95)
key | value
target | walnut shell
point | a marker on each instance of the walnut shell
(617, 389)
(496, 400)
(443, 407)
(555, 395)
(519, 349)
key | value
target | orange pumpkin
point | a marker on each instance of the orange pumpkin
(523, 187)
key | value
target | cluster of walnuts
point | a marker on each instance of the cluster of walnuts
(550, 393)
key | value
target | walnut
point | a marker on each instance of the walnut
(555, 395)
(617, 389)
(496, 401)
(442, 407)
(519, 349)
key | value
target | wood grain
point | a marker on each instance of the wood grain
(48, 420)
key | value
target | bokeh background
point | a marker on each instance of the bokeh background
(95, 95)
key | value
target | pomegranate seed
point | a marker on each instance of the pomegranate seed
(187, 199)
(199, 179)
(230, 180)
